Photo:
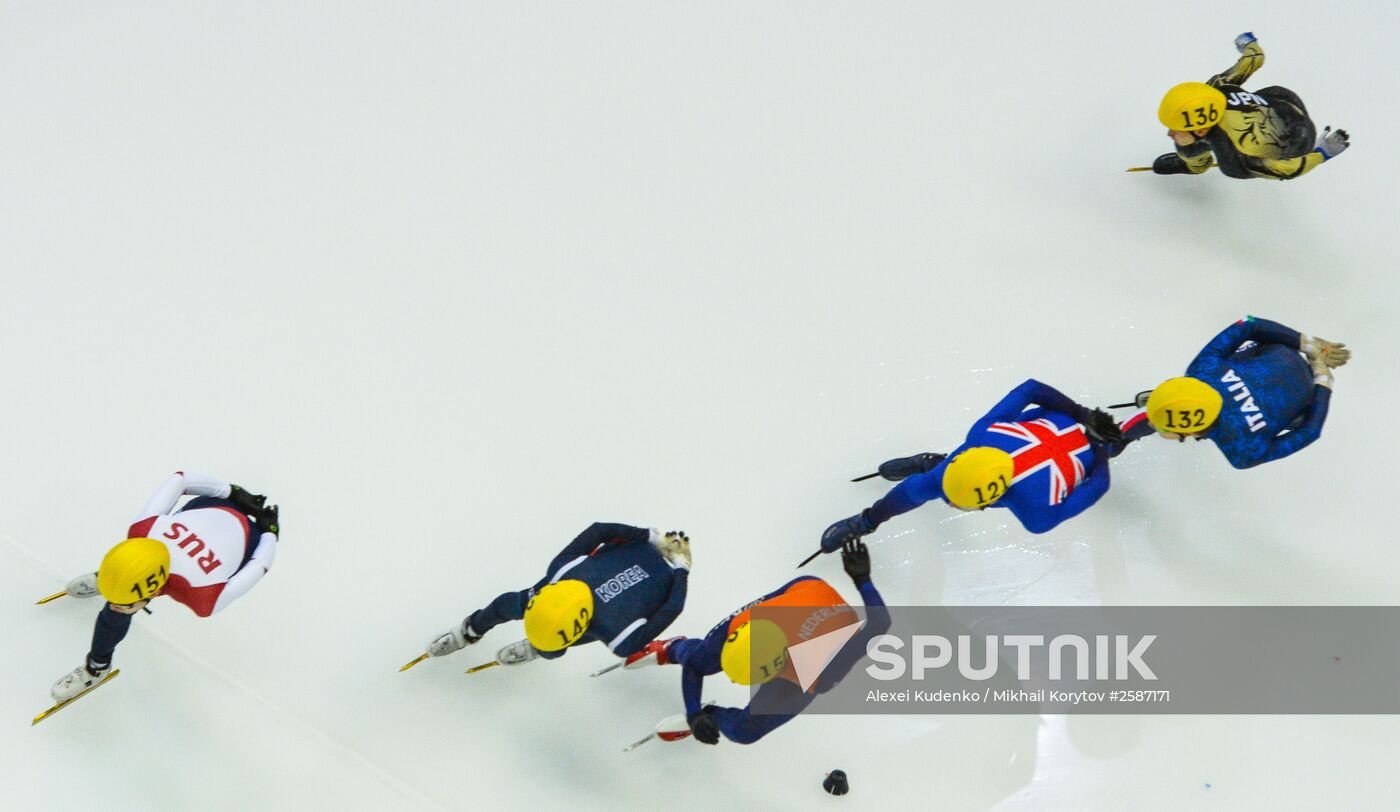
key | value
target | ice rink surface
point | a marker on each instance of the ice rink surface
(452, 280)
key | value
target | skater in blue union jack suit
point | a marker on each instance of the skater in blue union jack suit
(1037, 453)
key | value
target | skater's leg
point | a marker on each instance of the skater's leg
(506, 607)
(110, 629)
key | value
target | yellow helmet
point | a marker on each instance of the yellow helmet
(558, 615)
(1191, 106)
(1183, 406)
(134, 570)
(757, 644)
(978, 477)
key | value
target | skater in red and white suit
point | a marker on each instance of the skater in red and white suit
(219, 545)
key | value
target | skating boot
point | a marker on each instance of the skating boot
(653, 653)
(905, 467)
(76, 681)
(517, 653)
(84, 586)
(454, 639)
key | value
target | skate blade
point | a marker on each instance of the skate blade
(60, 706)
(1138, 169)
(420, 659)
(600, 672)
(638, 743)
(53, 597)
(483, 666)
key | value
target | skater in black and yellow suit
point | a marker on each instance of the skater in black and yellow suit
(1260, 134)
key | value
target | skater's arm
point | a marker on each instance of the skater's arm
(598, 535)
(743, 726)
(1137, 427)
(252, 572)
(657, 623)
(1015, 402)
(692, 682)
(506, 607)
(1251, 59)
(1305, 434)
(1250, 328)
(180, 484)
(870, 594)
(1047, 396)
(877, 622)
(1047, 517)
(1265, 331)
(1031, 393)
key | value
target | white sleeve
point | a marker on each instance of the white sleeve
(179, 484)
(252, 572)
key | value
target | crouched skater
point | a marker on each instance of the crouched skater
(754, 651)
(614, 583)
(205, 555)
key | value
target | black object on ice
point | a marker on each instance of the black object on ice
(836, 783)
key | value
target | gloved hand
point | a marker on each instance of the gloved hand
(856, 559)
(1332, 143)
(675, 548)
(1335, 353)
(846, 530)
(1243, 40)
(250, 503)
(704, 726)
(1322, 375)
(268, 522)
(1101, 427)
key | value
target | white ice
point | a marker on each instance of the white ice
(452, 280)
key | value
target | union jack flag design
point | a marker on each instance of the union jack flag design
(1048, 446)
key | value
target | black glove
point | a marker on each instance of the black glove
(704, 726)
(1102, 428)
(856, 559)
(249, 503)
(267, 521)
